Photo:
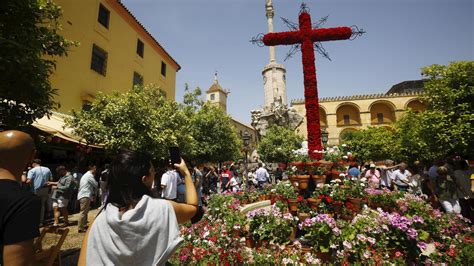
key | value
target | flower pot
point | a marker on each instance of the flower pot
(262, 197)
(293, 205)
(314, 203)
(262, 243)
(303, 181)
(293, 180)
(282, 166)
(335, 174)
(356, 202)
(337, 207)
(306, 249)
(303, 216)
(249, 242)
(292, 234)
(299, 165)
(319, 180)
(346, 217)
(325, 257)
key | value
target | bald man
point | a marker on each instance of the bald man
(19, 209)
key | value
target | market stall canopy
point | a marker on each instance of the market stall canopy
(55, 126)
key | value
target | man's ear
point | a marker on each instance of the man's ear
(144, 179)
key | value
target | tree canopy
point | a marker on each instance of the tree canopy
(142, 119)
(278, 144)
(444, 129)
(29, 40)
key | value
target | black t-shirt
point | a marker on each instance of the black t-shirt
(19, 214)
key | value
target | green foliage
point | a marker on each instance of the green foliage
(446, 127)
(215, 137)
(29, 40)
(140, 119)
(278, 144)
(374, 143)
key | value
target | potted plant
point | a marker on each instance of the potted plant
(321, 232)
(356, 193)
(303, 209)
(286, 191)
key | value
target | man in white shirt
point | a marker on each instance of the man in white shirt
(386, 176)
(401, 177)
(262, 175)
(87, 191)
(169, 184)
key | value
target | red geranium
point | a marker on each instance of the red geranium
(300, 198)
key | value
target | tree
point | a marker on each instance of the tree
(215, 137)
(373, 143)
(29, 40)
(140, 119)
(278, 144)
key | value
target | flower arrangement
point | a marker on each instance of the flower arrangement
(285, 190)
(270, 225)
(321, 231)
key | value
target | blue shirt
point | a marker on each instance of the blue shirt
(354, 172)
(262, 175)
(39, 175)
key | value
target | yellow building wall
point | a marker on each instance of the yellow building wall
(77, 82)
(361, 107)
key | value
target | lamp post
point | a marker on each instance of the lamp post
(324, 137)
(246, 139)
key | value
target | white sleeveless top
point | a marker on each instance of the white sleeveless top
(145, 235)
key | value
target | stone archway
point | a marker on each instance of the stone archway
(323, 118)
(382, 112)
(416, 105)
(348, 114)
(344, 134)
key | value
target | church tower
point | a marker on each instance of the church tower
(216, 95)
(274, 80)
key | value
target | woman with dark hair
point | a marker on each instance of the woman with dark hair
(134, 228)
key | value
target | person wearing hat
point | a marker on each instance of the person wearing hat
(373, 176)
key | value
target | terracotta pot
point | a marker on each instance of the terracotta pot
(303, 181)
(261, 197)
(293, 205)
(324, 256)
(303, 216)
(346, 217)
(307, 249)
(314, 203)
(356, 202)
(282, 166)
(293, 180)
(262, 243)
(293, 234)
(337, 207)
(335, 174)
(320, 180)
(249, 242)
(235, 234)
(299, 165)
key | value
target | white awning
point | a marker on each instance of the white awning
(55, 126)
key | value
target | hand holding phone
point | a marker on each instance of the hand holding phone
(175, 155)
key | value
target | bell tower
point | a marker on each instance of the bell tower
(216, 95)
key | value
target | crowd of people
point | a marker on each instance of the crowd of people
(446, 182)
(137, 203)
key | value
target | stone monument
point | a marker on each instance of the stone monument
(275, 111)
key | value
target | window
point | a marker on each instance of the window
(104, 16)
(380, 118)
(140, 48)
(99, 60)
(86, 106)
(137, 79)
(213, 97)
(163, 69)
(346, 120)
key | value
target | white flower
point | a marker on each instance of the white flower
(349, 153)
(363, 179)
(344, 145)
(342, 175)
(345, 157)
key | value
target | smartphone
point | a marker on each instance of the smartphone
(175, 155)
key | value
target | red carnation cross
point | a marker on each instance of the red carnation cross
(306, 36)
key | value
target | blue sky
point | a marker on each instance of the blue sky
(402, 37)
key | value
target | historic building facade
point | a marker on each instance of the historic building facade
(115, 52)
(339, 115)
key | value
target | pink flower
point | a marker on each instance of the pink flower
(347, 244)
(367, 254)
(361, 237)
(371, 240)
(398, 254)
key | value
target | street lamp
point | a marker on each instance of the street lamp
(324, 136)
(246, 139)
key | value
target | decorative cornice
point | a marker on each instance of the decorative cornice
(360, 97)
(273, 65)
